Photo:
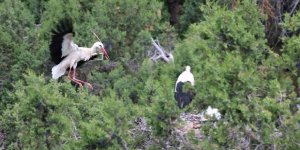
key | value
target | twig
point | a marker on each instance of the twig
(258, 146)
(295, 3)
(296, 143)
(96, 35)
(74, 130)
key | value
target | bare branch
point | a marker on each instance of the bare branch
(160, 53)
(295, 3)
(74, 130)
(96, 35)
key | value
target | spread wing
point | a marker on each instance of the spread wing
(62, 41)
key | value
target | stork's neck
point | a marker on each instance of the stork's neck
(93, 50)
(87, 53)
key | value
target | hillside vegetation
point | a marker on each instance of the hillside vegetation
(244, 55)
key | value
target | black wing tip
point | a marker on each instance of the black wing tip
(63, 27)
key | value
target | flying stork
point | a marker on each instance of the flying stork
(66, 54)
(184, 98)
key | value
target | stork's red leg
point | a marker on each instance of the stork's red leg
(69, 74)
(70, 78)
(74, 78)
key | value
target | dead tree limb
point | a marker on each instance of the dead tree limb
(74, 130)
(295, 3)
(160, 53)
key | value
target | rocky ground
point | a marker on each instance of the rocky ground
(187, 128)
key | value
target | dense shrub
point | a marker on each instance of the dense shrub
(256, 90)
(230, 72)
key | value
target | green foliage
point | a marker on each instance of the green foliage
(290, 53)
(213, 64)
(18, 39)
(230, 45)
(57, 10)
(235, 71)
(191, 13)
(36, 7)
(164, 111)
(124, 23)
(39, 116)
(54, 116)
(188, 88)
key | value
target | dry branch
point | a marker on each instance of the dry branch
(74, 130)
(160, 53)
(295, 3)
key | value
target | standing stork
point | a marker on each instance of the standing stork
(184, 98)
(66, 54)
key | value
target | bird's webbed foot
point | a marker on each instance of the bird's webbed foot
(89, 85)
(80, 84)
(84, 83)
(75, 81)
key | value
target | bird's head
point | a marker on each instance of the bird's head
(100, 49)
(188, 68)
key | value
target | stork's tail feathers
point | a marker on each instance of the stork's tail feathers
(58, 71)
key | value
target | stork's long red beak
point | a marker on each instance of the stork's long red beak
(105, 53)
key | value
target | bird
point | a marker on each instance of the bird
(213, 112)
(210, 114)
(184, 98)
(67, 55)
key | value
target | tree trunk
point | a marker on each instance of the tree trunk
(174, 8)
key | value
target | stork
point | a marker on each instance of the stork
(66, 54)
(184, 98)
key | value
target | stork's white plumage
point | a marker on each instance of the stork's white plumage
(184, 98)
(66, 54)
(186, 76)
(213, 112)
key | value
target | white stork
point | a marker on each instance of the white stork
(66, 54)
(184, 98)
